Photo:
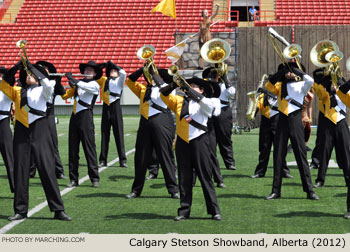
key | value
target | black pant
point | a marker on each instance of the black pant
(267, 133)
(195, 155)
(153, 167)
(317, 151)
(112, 117)
(223, 132)
(34, 140)
(6, 148)
(338, 136)
(82, 129)
(290, 126)
(53, 133)
(155, 133)
(212, 149)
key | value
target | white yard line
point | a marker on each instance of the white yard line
(39, 207)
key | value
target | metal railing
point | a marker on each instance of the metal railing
(4, 8)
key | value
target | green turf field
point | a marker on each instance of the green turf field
(105, 210)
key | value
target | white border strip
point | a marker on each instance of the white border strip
(39, 207)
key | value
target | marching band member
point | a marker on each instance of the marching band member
(318, 149)
(6, 145)
(218, 178)
(267, 132)
(342, 142)
(306, 116)
(192, 112)
(223, 122)
(155, 132)
(32, 135)
(50, 113)
(112, 87)
(81, 124)
(290, 99)
(335, 130)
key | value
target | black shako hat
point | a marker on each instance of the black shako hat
(93, 65)
(50, 66)
(209, 73)
(167, 78)
(211, 88)
(23, 74)
(109, 67)
(291, 65)
(3, 70)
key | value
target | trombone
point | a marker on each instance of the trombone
(146, 53)
(292, 51)
(216, 51)
(21, 44)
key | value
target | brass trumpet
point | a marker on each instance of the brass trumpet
(216, 51)
(146, 53)
(177, 78)
(21, 44)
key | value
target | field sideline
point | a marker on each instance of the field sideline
(105, 210)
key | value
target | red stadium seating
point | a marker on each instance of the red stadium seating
(70, 32)
(309, 12)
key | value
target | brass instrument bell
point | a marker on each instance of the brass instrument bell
(21, 44)
(319, 51)
(146, 53)
(216, 51)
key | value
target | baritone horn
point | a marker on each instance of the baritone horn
(216, 51)
(253, 97)
(22, 45)
(146, 53)
(326, 54)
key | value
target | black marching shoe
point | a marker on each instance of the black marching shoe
(308, 148)
(61, 176)
(312, 196)
(273, 196)
(216, 217)
(17, 216)
(180, 218)
(61, 215)
(231, 167)
(95, 184)
(102, 164)
(175, 195)
(318, 185)
(123, 164)
(221, 185)
(73, 183)
(131, 195)
(287, 175)
(151, 176)
(347, 215)
(313, 166)
(257, 176)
